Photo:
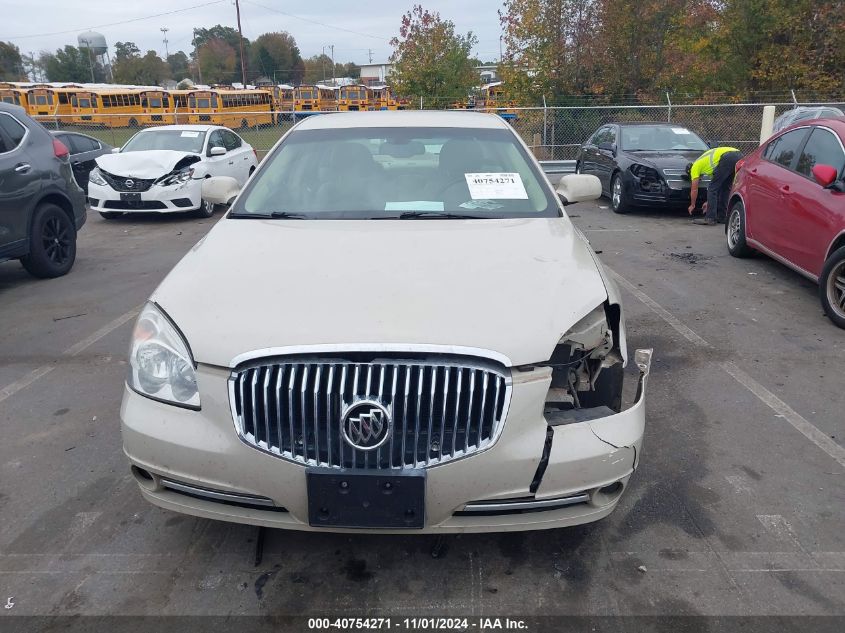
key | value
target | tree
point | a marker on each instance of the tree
(218, 62)
(319, 68)
(179, 65)
(11, 64)
(430, 59)
(231, 37)
(71, 64)
(124, 51)
(276, 55)
(130, 68)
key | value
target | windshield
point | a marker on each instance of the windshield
(178, 140)
(660, 138)
(362, 173)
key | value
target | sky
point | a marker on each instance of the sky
(352, 27)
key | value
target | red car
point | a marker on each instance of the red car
(788, 201)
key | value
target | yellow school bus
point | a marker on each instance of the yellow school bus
(108, 108)
(50, 101)
(352, 98)
(156, 108)
(327, 98)
(179, 105)
(381, 98)
(231, 108)
(305, 98)
(283, 100)
(492, 98)
(13, 95)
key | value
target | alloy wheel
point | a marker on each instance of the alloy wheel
(734, 228)
(836, 289)
(617, 193)
(55, 236)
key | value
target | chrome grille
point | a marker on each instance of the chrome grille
(440, 409)
(118, 183)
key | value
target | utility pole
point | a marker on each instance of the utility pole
(164, 31)
(323, 62)
(370, 53)
(331, 46)
(241, 41)
(197, 56)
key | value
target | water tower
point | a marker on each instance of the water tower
(95, 45)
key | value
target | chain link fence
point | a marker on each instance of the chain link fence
(553, 133)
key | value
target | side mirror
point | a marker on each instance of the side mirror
(220, 189)
(825, 175)
(216, 151)
(574, 188)
(115, 150)
(608, 147)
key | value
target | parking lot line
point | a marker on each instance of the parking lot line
(74, 350)
(783, 410)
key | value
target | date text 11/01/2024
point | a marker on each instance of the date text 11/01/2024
(417, 624)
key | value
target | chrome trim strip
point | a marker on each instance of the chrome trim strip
(391, 348)
(216, 494)
(782, 260)
(534, 504)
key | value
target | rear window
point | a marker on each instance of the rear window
(363, 173)
(822, 148)
(14, 130)
(784, 149)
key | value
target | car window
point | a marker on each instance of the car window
(822, 148)
(231, 140)
(657, 138)
(360, 173)
(594, 139)
(216, 139)
(80, 144)
(178, 140)
(605, 135)
(787, 147)
(14, 130)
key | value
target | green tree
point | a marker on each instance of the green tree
(71, 64)
(179, 65)
(319, 67)
(218, 62)
(11, 64)
(276, 55)
(130, 68)
(431, 60)
(231, 37)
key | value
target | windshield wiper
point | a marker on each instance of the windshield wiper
(437, 215)
(275, 215)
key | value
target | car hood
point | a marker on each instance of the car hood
(674, 159)
(508, 286)
(147, 164)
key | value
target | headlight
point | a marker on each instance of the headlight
(177, 177)
(160, 364)
(96, 176)
(648, 178)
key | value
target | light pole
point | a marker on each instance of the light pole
(164, 31)
(241, 41)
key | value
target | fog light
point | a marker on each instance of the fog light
(612, 489)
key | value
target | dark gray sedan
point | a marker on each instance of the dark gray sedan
(84, 150)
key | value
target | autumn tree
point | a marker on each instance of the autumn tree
(230, 36)
(431, 60)
(11, 64)
(218, 62)
(179, 65)
(319, 68)
(71, 64)
(129, 67)
(276, 55)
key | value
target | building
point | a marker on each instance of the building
(375, 73)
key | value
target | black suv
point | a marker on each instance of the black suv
(41, 206)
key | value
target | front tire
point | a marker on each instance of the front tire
(618, 198)
(832, 287)
(206, 209)
(52, 243)
(735, 232)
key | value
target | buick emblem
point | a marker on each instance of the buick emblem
(365, 425)
(129, 183)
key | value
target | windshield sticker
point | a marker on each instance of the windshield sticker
(680, 130)
(187, 134)
(489, 205)
(414, 205)
(496, 186)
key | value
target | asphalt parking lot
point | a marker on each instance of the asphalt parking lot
(737, 508)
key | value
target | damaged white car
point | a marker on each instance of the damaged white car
(161, 169)
(396, 327)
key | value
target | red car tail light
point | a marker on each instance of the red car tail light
(60, 149)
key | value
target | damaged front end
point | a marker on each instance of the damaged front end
(181, 173)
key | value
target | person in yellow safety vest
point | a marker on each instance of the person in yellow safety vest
(719, 163)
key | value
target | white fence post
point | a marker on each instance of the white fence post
(768, 123)
(669, 101)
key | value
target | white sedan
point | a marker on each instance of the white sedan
(161, 170)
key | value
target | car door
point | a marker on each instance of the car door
(19, 181)
(813, 213)
(605, 161)
(769, 181)
(589, 152)
(223, 165)
(239, 155)
(83, 152)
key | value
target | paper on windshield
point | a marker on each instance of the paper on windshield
(496, 186)
(189, 134)
(680, 130)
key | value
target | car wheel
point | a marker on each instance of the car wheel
(244, 124)
(735, 232)
(578, 168)
(52, 243)
(133, 123)
(206, 209)
(832, 287)
(110, 215)
(618, 199)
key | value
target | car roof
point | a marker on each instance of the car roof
(194, 128)
(636, 123)
(11, 108)
(834, 123)
(403, 118)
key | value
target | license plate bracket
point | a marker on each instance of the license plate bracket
(362, 499)
(131, 198)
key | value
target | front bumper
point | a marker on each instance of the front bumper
(671, 190)
(193, 462)
(178, 198)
